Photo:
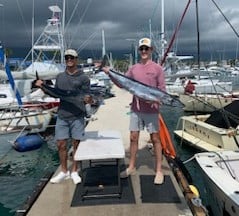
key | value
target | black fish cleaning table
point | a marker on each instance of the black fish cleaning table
(100, 149)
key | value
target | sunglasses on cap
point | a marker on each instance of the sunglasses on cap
(69, 57)
(144, 48)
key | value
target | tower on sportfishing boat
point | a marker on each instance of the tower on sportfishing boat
(52, 37)
(50, 44)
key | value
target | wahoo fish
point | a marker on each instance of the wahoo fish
(144, 91)
(77, 98)
(68, 95)
(71, 95)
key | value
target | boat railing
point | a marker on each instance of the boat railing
(20, 119)
(225, 162)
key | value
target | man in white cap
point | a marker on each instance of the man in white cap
(70, 119)
(144, 114)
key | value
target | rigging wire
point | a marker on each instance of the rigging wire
(83, 45)
(233, 29)
(155, 8)
(22, 17)
(72, 15)
(175, 33)
(81, 19)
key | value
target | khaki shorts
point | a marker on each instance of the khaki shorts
(74, 129)
(139, 121)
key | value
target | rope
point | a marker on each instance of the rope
(196, 201)
(189, 160)
(234, 30)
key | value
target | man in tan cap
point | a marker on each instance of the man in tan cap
(70, 119)
(144, 114)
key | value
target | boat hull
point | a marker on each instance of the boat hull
(205, 102)
(221, 188)
(199, 134)
(31, 121)
(201, 87)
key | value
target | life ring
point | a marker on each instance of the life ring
(166, 142)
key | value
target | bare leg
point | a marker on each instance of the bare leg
(75, 144)
(134, 138)
(159, 177)
(62, 151)
(158, 151)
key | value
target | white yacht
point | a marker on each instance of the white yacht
(220, 171)
(211, 132)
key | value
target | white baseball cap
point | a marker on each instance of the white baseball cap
(71, 52)
(145, 42)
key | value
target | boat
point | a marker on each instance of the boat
(36, 99)
(202, 85)
(220, 171)
(211, 132)
(206, 103)
(22, 118)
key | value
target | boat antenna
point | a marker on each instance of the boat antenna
(198, 36)
(63, 31)
(33, 31)
(174, 34)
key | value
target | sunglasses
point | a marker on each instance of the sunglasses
(69, 57)
(143, 48)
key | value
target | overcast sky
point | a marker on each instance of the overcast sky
(125, 19)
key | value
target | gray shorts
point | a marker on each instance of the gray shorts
(139, 121)
(74, 129)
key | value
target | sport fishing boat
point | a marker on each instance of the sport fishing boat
(211, 132)
(221, 176)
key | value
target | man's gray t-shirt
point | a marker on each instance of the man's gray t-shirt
(76, 82)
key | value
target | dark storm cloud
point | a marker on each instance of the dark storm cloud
(121, 20)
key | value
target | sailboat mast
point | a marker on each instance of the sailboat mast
(162, 28)
(150, 29)
(63, 30)
(33, 29)
(103, 43)
(198, 36)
